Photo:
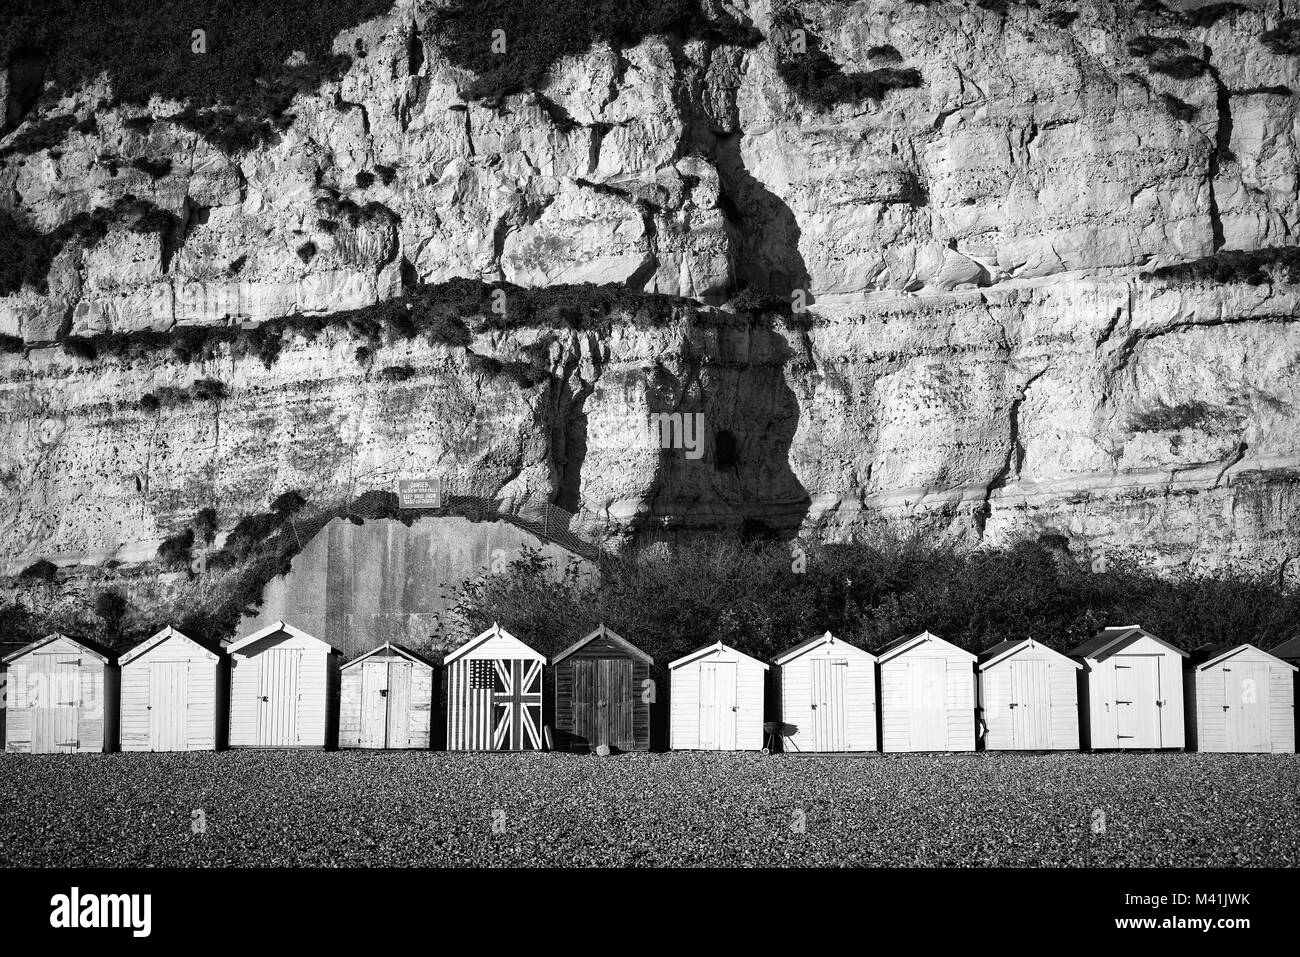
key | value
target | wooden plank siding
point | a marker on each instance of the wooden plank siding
(60, 681)
(807, 729)
(203, 695)
(1000, 700)
(912, 722)
(403, 719)
(750, 680)
(310, 719)
(483, 716)
(1100, 694)
(577, 715)
(1213, 697)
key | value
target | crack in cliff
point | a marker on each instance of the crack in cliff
(1238, 454)
(1015, 457)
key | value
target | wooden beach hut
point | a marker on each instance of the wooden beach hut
(1130, 690)
(283, 690)
(716, 700)
(386, 700)
(173, 694)
(494, 694)
(601, 698)
(1240, 699)
(62, 697)
(1028, 698)
(827, 696)
(927, 695)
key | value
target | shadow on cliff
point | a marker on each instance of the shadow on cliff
(237, 80)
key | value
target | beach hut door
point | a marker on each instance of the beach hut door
(828, 704)
(277, 697)
(1137, 691)
(718, 706)
(167, 680)
(929, 703)
(1030, 723)
(57, 692)
(1246, 697)
(374, 704)
(399, 703)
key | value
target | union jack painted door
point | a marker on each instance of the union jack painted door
(496, 705)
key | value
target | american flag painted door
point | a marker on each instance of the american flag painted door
(497, 705)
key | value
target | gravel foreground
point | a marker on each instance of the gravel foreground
(357, 808)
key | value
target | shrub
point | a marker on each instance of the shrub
(205, 524)
(1183, 67)
(869, 593)
(286, 503)
(539, 32)
(11, 344)
(307, 251)
(1179, 109)
(886, 52)
(40, 135)
(1255, 267)
(1166, 418)
(208, 390)
(1284, 39)
(175, 552)
(110, 606)
(385, 173)
(364, 179)
(1062, 18)
(145, 50)
(396, 373)
(39, 570)
(156, 169)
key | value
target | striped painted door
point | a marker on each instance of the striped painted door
(1031, 724)
(929, 703)
(374, 704)
(1137, 693)
(168, 682)
(399, 704)
(718, 706)
(1246, 698)
(828, 706)
(57, 696)
(277, 701)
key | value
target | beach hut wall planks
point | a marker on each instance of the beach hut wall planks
(927, 695)
(62, 697)
(1130, 690)
(601, 694)
(1240, 699)
(173, 694)
(494, 694)
(386, 700)
(716, 696)
(283, 690)
(1289, 651)
(1028, 698)
(827, 696)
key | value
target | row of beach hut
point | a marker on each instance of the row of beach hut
(283, 688)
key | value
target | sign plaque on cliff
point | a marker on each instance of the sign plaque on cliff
(419, 493)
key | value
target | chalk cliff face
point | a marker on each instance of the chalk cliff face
(991, 346)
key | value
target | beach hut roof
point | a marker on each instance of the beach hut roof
(388, 646)
(138, 649)
(901, 645)
(496, 631)
(827, 638)
(93, 648)
(1005, 649)
(603, 632)
(1110, 640)
(276, 628)
(713, 648)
